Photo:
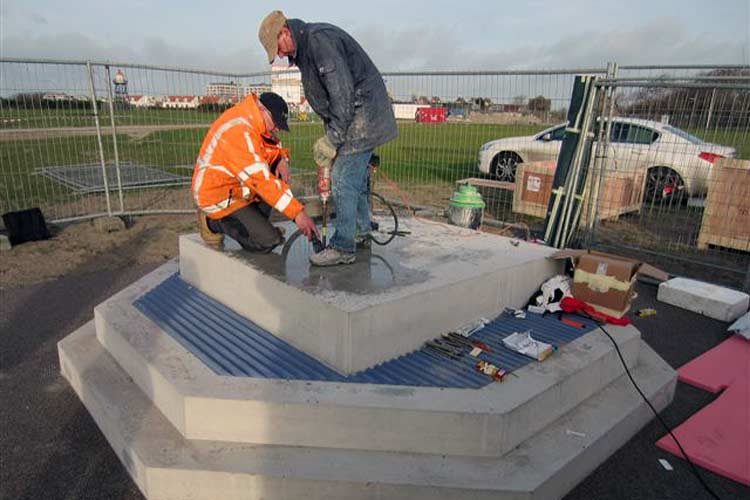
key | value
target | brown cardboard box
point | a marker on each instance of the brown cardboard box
(726, 216)
(606, 281)
(620, 192)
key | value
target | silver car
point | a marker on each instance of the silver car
(675, 161)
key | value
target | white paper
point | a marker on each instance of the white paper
(525, 344)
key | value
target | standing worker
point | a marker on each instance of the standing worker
(346, 90)
(242, 173)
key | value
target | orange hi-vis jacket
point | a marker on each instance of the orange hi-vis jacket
(232, 170)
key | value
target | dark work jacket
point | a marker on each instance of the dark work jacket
(343, 86)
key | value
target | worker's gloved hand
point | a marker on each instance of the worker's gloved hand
(324, 152)
(306, 225)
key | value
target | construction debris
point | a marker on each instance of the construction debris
(525, 344)
(536, 309)
(741, 327)
(473, 327)
(491, 370)
(703, 298)
(606, 281)
(552, 292)
(642, 313)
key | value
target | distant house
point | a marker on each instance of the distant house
(57, 97)
(207, 100)
(143, 101)
(407, 111)
(181, 102)
(231, 91)
(511, 108)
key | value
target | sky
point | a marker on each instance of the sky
(418, 35)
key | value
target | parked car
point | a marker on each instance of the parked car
(675, 161)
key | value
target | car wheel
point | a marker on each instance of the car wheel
(663, 185)
(503, 166)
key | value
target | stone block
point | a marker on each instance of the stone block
(703, 298)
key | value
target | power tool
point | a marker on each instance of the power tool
(324, 190)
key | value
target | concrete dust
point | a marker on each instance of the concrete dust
(79, 247)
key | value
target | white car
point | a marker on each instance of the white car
(674, 160)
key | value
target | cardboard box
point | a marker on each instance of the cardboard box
(726, 216)
(620, 192)
(606, 281)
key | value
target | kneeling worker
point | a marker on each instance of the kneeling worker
(242, 173)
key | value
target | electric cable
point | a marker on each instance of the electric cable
(390, 234)
(693, 468)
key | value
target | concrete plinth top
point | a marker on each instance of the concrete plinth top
(431, 256)
(389, 302)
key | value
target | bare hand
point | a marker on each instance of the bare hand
(306, 225)
(283, 171)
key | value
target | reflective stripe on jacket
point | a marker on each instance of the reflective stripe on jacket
(233, 170)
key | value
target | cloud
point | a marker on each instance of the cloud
(37, 18)
(662, 41)
(151, 50)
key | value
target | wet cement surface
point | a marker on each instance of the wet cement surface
(429, 256)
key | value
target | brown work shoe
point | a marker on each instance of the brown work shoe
(212, 239)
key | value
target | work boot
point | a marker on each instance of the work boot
(209, 237)
(331, 257)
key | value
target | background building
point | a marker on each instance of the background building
(287, 82)
(231, 91)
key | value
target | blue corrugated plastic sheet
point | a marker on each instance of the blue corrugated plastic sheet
(233, 345)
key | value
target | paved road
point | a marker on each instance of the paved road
(51, 448)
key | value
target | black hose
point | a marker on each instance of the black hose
(394, 232)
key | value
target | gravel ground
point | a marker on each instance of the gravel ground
(51, 448)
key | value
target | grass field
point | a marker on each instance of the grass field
(426, 158)
(13, 118)
(422, 154)
(425, 161)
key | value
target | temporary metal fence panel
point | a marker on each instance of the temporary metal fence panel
(658, 182)
(142, 126)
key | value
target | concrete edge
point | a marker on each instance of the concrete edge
(76, 370)
(164, 465)
(589, 347)
(354, 416)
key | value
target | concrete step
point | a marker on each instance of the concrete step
(386, 304)
(477, 422)
(166, 466)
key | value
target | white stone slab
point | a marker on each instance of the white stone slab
(483, 422)
(166, 466)
(710, 300)
(394, 298)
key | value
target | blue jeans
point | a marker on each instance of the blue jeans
(349, 191)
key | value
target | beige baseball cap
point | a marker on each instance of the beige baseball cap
(268, 33)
